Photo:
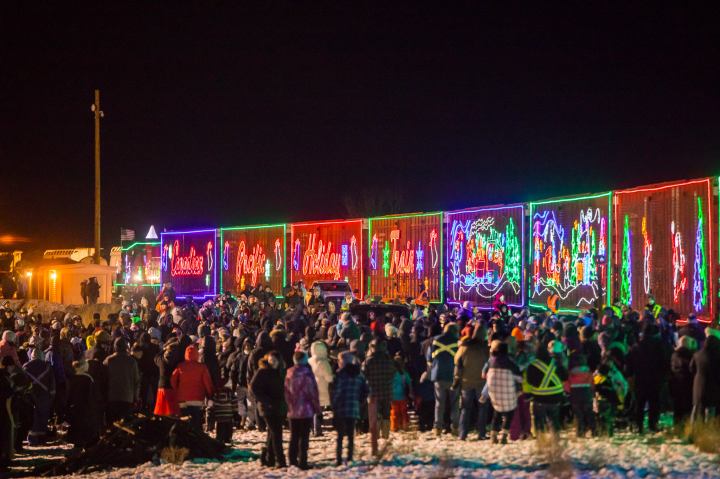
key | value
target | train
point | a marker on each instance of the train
(581, 251)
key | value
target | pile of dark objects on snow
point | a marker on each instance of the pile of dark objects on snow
(136, 440)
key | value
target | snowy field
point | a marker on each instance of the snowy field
(422, 455)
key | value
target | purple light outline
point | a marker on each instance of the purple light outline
(210, 230)
(521, 206)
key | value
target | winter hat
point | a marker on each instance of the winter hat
(346, 358)
(19, 323)
(80, 366)
(102, 336)
(155, 333)
(390, 331)
(712, 332)
(687, 342)
(300, 358)
(518, 334)
(555, 347)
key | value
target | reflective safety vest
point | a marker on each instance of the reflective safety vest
(617, 311)
(656, 310)
(451, 348)
(550, 384)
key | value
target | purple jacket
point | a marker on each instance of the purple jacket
(301, 392)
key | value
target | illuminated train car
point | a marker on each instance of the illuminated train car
(251, 256)
(327, 250)
(188, 260)
(569, 263)
(664, 246)
(140, 265)
(406, 256)
(485, 256)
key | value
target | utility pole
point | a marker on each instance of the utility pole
(98, 114)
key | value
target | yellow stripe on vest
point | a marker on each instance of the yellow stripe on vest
(451, 349)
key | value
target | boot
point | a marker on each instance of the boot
(438, 432)
(263, 456)
(504, 437)
(384, 428)
(494, 437)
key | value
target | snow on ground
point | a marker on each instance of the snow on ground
(422, 455)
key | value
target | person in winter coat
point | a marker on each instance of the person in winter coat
(8, 348)
(681, 380)
(349, 392)
(302, 397)
(263, 345)
(123, 382)
(543, 383)
(53, 355)
(145, 352)
(610, 392)
(323, 372)
(379, 370)
(43, 393)
(440, 358)
(581, 394)
(83, 407)
(470, 359)
(208, 356)
(503, 385)
(648, 362)
(166, 362)
(222, 411)
(192, 384)
(7, 424)
(401, 391)
(706, 384)
(268, 388)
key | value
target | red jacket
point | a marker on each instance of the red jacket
(191, 379)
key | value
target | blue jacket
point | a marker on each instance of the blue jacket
(441, 357)
(400, 386)
(349, 391)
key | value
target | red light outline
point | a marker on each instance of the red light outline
(710, 221)
(322, 223)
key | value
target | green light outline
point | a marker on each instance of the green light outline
(151, 243)
(608, 250)
(441, 234)
(256, 227)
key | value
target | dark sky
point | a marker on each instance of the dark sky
(220, 115)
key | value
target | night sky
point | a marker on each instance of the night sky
(219, 115)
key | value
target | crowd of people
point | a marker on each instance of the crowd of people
(255, 361)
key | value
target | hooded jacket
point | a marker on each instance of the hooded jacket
(191, 379)
(301, 392)
(269, 390)
(123, 377)
(470, 359)
(706, 383)
(322, 370)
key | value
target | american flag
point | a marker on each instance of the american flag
(127, 234)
